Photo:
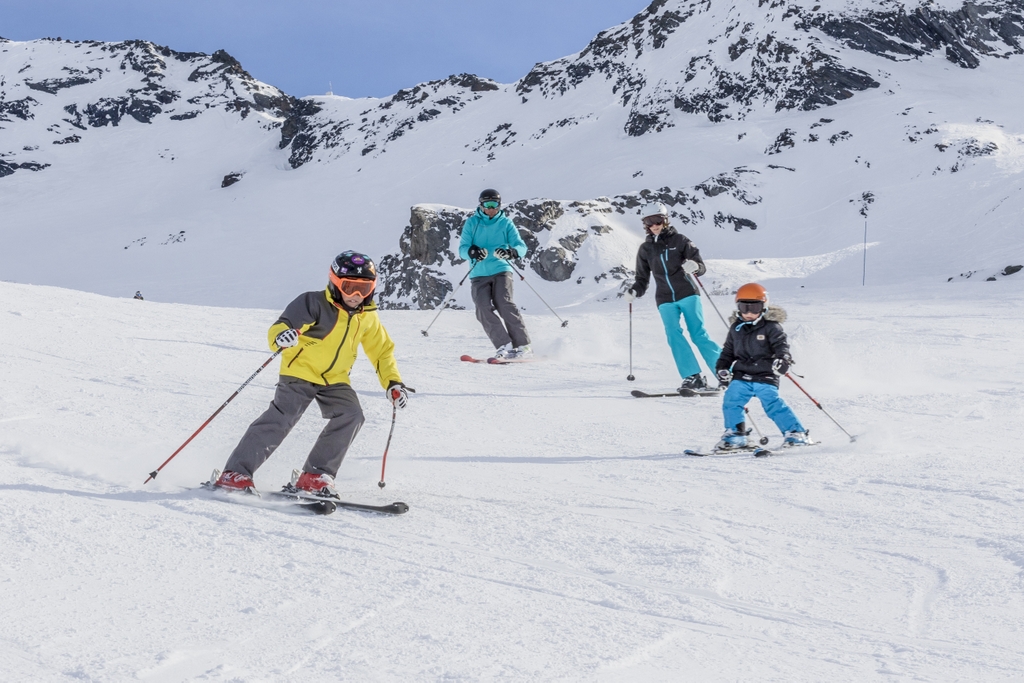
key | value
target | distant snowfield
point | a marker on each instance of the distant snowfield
(556, 531)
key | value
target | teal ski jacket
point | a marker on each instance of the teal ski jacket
(490, 233)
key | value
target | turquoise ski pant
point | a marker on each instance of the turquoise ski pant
(693, 313)
(739, 394)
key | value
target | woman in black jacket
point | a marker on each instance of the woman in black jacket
(671, 258)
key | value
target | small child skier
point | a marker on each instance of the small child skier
(755, 355)
(320, 334)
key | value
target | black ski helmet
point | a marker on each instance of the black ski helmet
(351, 265)
(490, 196)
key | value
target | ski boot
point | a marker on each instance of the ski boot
(502, 351)
(233, 481)
(732, 440)
(312, 483)
(523, 351)
(797, 439)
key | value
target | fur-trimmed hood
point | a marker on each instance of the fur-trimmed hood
(775, 314)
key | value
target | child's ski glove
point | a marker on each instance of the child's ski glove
(397, 394)
(477, 253)
(630, 295)
(780, 366)
(507, 254)
(724, 377)
(287, 338)
(690, 267)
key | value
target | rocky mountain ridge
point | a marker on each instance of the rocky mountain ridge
(799, 117)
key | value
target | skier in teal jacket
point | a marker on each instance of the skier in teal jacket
(490, 240)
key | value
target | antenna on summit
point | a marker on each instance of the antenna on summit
(330, 89)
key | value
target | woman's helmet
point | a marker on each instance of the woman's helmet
(652, 214)
(654, 209)
(352, 273)
(751, 298)
(490, 196)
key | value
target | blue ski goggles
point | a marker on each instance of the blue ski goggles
(490, 204)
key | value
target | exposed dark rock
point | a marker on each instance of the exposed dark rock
(68, 140)
(7, 168)
(1010, 270)
(554, 264)
(230, 179)
(737, 223)
(184, 117)
(18, 108)
(783, 141)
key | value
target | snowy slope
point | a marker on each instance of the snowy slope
(555, 533)
(903, 114)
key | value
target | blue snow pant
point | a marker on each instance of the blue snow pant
(693, 313)
(739, 394)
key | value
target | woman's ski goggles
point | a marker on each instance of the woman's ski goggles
(750, 306)
(654, 220)
(352, 286)
(490, 204)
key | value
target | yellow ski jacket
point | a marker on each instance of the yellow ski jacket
(330, 341)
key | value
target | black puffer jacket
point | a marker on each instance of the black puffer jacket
(663, 258)
(751, 348)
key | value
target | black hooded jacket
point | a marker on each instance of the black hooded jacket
(751, 348)
(663, 258)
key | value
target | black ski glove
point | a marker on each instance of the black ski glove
(477, 253)
(507, 254)
(397, 394)
(780, 366)
(724, 377)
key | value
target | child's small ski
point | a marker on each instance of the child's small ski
(470, 359)
(756, 451)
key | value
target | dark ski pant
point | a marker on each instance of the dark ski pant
(739, 394)
(338, 403)
(494, 293)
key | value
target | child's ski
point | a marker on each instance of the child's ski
(756, 451)
(470, 359)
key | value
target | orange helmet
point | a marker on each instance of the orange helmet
(752, 292)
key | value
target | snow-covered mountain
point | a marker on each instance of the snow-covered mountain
(773, 130)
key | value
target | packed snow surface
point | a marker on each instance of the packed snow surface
(556, 530)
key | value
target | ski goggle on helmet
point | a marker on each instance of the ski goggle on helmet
(490, 199)
(353, 273)
(751, 298)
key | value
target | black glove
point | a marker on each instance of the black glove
(507, 254)
(724, 376)
(397, 394)
(780, 366)
(477, 253)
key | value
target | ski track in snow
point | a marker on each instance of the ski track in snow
(556, 530)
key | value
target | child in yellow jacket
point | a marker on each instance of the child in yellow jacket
(318, 335)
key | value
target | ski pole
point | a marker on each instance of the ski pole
(712, 302)
(152, 475)
(820, 407)
(564, 322)
(444, 305)
(630, 376)
(761, 438)
(384, 460)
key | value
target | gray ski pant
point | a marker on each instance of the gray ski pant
(338, 403)
(494, 293)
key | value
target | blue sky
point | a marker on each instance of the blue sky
(362, 48)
